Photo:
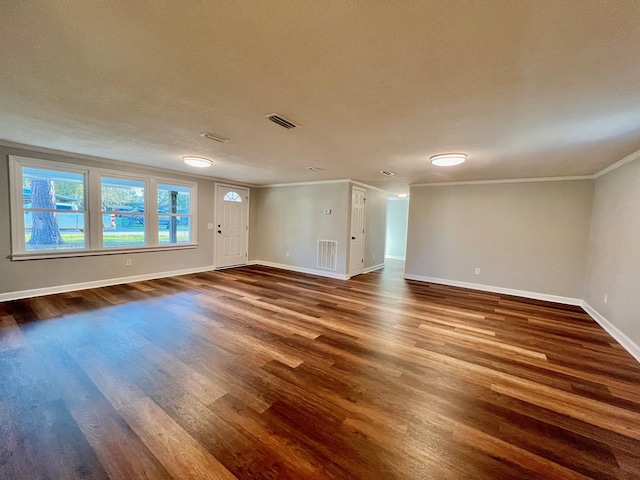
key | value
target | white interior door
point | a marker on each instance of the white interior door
(232, 226)
(356, 250)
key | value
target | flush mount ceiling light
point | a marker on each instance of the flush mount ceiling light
(403, 195)
(448, 159)
(199, 162)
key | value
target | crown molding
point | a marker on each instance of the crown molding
(325, 182)
(628, 159)
(509, 180)
(360, 184)
(296, 184)
(29, 151)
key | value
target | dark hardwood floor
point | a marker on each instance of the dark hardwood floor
(258, 373)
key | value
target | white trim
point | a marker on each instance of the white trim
(312, 271)
(493, 289)
(395, 257)
(612, 330)
(629, 158)
(120, 163)
(93, 213)
(360, 184)
(72, 287)
(322, 182)
(232, 185)
(509, 180)
(296, 184)
(93, 253)
(374, 268)
(293, 268)
(231, 266)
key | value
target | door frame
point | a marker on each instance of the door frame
(215, 220)
(364, 228)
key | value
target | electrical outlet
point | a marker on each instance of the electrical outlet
(128, 262)
(477, 271)
(606, 298)
(286, 254)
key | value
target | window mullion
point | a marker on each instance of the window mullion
(95, 210)
(152, 213)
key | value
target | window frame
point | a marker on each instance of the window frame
(192, 208)
(93, 223)
(145, 180)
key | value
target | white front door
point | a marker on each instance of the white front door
(232, 225)
(356, 250)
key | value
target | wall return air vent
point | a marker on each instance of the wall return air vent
(327, 254)
(280, 120)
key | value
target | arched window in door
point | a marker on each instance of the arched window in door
(232, 197)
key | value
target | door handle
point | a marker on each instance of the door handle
(219, 231)
(353, 238)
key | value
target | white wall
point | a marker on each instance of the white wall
(290, 219)
(26, 275)
(613, 266)
(528, 236)
(396, 231)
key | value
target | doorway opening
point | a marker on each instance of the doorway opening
(396, 229)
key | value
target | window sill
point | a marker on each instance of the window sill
(93, 253)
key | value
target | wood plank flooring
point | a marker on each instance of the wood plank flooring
(259, 373)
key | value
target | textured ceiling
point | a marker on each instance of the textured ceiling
(527, 89)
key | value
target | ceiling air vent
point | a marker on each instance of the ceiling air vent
(387, 173)
(215, 138)
(280, 120)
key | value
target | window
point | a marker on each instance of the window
(52, 210)
(174, 214)
(125, 199)
(232, 197)
(60, 209)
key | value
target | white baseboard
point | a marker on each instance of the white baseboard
(38, 292)
(612, 330)
(395, 257)
(609, 327)
(493, 289)
(293, 268)
(374, 268)
(312, 271)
